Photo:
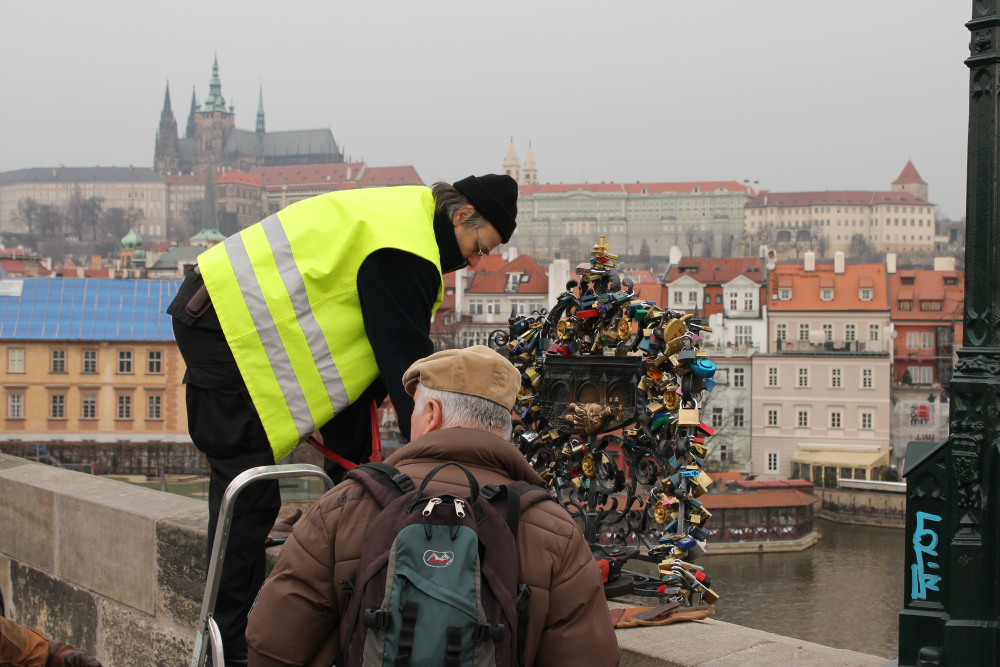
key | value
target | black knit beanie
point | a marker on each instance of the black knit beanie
(495, 197)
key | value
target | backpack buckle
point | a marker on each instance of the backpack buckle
(404, 482)
(489, 491)
(376, 618)
(523, 595)
(484, 631)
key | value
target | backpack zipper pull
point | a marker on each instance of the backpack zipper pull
(430, 506)
(459, 508)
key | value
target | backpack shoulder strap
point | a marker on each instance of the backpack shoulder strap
(384, 482)
(511, 500)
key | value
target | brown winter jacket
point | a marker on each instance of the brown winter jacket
(296, 618)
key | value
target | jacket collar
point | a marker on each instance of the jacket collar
(451, 253)
(469, 446)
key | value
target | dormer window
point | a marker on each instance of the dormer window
(865, 294)
(826, 295)
(905, 305)
(513, 282)
(785, 294)
(930, 305)
(907, 281)
(950, 281)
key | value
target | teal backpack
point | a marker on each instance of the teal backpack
(437, 580)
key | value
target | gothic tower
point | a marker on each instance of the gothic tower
(192, 127)
(213, 125)
(166, 157)
(530, 169)
(511, 165)
(260, 112)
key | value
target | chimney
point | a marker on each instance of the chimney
(838, 262)
(890, 263)
(765, 200)
(756, 187)
(944, 263)
(348, 173)
(810, 262)
(511, 254)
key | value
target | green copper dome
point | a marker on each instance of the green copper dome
(132, 240)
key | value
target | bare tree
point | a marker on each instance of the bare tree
(766, 234)
(859, 245)
(27, 214)
(571, 249)
(690, 237)
(51, 220)
(83, 215)
(821, 244)
(644, 254)
(189, 222)
(116, 222)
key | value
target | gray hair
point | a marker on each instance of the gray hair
(465, 410)
(449, 201)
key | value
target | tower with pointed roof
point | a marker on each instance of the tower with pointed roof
(909, 181)
(511, 165)
(192, 126)
(260, 112)
(166, 158)
(214, 122)
(530, 170)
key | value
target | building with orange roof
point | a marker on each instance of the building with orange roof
(443, 322)
(238, 194)
(562, 220)
(853, 221)
(484, 299)
(289, 184)
(824, 384)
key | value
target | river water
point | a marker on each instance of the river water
(846, 591)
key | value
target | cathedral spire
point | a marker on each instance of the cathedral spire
(166, 102)
(189, 133)
(530, 170)
(511, 165)
(215, 101)
(165, 156)
(260, 111)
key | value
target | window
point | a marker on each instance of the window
(828, 332)
(904, 305)
(873, 332)
(804, 332)
(835, 420)
(154, 407)
(772, 417)
(744, 335)
(772, 462)
(124, 361)
(718, 298)
(866, 421)
(476, 307)
(154, 363)
(826, 295)
(693, 297)
(738, 377)
(15, 360)
(803, 419)
(785, 294)
(724, 453)
(58, 361)
(835, 377)
(678, 297)
(865, 295)
(733, 300)
(849, 331)
(57, 403)
(927, 340)
(782, 330)
(866, 378)
(90, 361)
(15, 406)
(89, 406)
(926, 374)
(716, 417)
(803, 377)
(912, 340)
(124, 407)
(748, 301)
(930, 305)
(738, 417)
(772, 377)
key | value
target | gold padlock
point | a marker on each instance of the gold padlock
(654, 407)
(688, 417)
(699, 449)
(709, 596)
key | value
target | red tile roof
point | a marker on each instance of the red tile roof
(789, 498)
(654, 292)
(633, 188)
(927, 286)
(640, 276)
(13, 265)
(833, 198)
(383, 176)
(806, 288)
(909, 175)
(722, 478)
(228, 176)
(494, 282)
(718, 271)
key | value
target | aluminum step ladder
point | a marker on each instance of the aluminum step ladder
(206, 623)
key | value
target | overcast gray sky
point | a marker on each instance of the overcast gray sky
(798, 95)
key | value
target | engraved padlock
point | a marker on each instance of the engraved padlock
(689, 416)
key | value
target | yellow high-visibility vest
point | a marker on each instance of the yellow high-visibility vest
(286, 294)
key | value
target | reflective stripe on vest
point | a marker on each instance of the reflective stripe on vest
(285, 291)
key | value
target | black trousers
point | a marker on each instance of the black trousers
(224, 425)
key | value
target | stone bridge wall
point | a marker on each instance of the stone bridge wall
(118, 570)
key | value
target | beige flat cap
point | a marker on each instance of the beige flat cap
(475, 371)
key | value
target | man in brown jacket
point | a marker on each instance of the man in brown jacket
(463, 400)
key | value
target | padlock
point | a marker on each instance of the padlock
(654, 407)
(688, 417)
(703, 368)
(687, 355)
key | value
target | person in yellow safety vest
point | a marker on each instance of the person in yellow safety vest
(299, 322)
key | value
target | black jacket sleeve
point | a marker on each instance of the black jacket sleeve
(397, 291)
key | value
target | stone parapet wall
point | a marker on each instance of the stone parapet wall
(862, 507)
(119, 571)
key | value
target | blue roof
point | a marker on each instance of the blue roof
(89, 309)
